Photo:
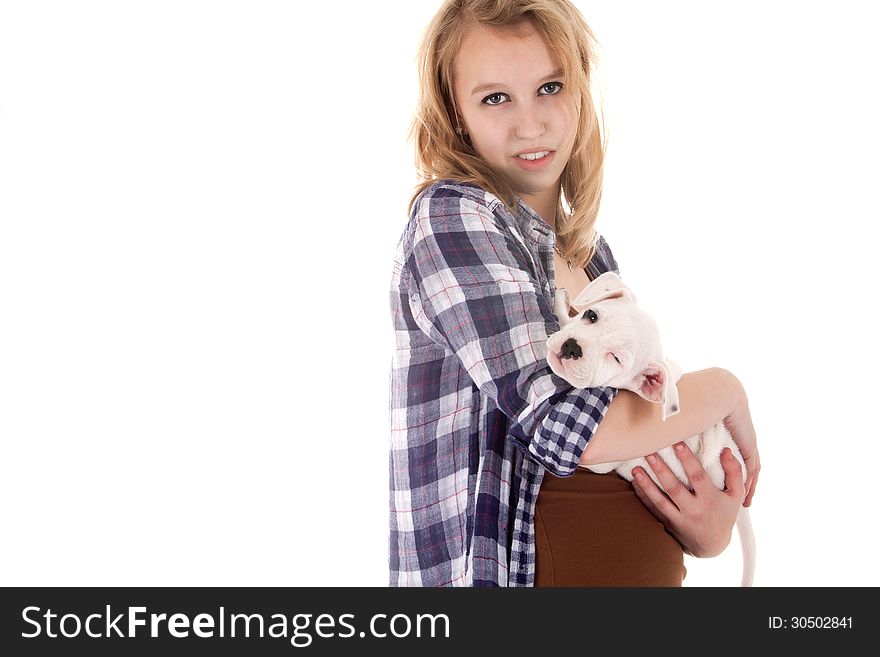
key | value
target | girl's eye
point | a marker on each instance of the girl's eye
(556, 85)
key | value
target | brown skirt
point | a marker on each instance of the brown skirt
(592, 530)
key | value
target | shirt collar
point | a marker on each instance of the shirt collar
(533, 225)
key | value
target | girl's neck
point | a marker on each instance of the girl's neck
(544, 206)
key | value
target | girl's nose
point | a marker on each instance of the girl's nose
(530, 123)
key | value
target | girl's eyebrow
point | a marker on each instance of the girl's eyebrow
(486, 86)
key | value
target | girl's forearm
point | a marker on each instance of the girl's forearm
(632, 426)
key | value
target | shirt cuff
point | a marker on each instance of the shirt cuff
(564, 433)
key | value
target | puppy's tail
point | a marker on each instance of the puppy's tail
(747, 540)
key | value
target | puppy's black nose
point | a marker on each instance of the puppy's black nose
(571, 349)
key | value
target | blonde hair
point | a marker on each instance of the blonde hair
(443, 153)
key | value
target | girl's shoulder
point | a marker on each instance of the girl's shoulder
(449, 188)
(603, 257)
(453, 206)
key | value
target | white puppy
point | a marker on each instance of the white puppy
(614, 343)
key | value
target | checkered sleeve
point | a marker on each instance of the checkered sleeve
(473, 290)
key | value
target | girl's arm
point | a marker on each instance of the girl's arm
(472, 288)
(632, 426)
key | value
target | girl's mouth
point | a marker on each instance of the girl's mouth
(534, 165)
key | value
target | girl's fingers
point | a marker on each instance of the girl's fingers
(651, 495)
(752, 482)
(700, 481)
(733, 474)
(673, 487)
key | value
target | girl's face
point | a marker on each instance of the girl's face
(512, 99)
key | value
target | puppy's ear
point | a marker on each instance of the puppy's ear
(671, 405)
(655, 384)
(674, 368)
(561, 305)
(606, 286)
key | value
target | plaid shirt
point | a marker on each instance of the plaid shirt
(477, 416)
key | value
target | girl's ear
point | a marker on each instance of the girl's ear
(655, 384)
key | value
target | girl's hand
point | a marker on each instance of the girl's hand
(739, 424)
(702, 520)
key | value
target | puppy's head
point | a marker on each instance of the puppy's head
(612, 342)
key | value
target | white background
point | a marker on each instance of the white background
(199, 204)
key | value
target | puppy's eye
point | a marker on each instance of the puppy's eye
(591, 317)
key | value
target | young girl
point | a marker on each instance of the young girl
(486, 440)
